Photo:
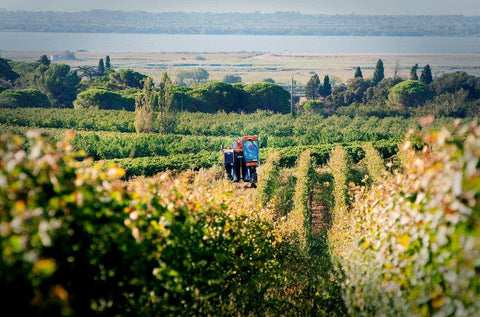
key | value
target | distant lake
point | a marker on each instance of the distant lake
(102, 42)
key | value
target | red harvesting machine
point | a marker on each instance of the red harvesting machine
(241, 160)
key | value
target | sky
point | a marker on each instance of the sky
(415, 7)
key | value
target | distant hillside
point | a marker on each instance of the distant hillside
(280, 23)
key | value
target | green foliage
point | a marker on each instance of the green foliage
(79, 119)
(378, 73)
(426, 76)
(340, 168)
(326, 88)
(56, 81)
(312, 87)
(103, 99)
(410, 244)
(454, 82)
(374, 162)
(268, 179)
(378, 94)
(101, 67)
(356, 88)
(76, 241)
(312, 107)
(358, 73)
(193, 77)
(127, 78)
(455, 105)
(300, 218)
(232, 79)
(206, 132)
(145, 103)
(409, 93)
(6, 72)
(267, 96)
(43, 60)
(413, 72)
(23, 98)
(149, 166)
(108, 65)
(216, 96)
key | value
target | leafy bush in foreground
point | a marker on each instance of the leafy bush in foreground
(74, 240)
(411, 244)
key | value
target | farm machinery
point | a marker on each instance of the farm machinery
(241, 160)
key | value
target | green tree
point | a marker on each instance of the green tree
(56, 81)
(267, 96)
(107, 62)
(220, 96)
(426, 76)
(23, 98)
(356, 88)
(127, 78)
(232, 79)
(378, 73)
(358, 73)
(6, 72)
(145, 103)
(378, 95)
(167, 117)
(181, 99)
(164, 91)
(195, 77)
(312, 87)
(103, 99)
(101, 67)
(454, 82)
(312, 107)
(44, 60)
(413, 72)
(89, 72)
(326, 87)
(409, 93)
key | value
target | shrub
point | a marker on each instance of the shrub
(410, 244)
(313, 107)
(75, 240)
(300, 218)
(103, 99)
(373, 162)
(24, 98)
(340, 168)
(409, 93)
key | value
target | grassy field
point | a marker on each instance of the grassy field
(256, 66)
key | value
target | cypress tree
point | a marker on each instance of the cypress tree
(312, 87)
(379, 72)
(101, 67)
(426, 76)
(107, 62)
(358, 73)
(146, 102)
(44, 60)
(413, 72)
(327, 87)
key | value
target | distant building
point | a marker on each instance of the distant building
(67, 55)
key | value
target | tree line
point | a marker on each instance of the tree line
(279, 23)
(44, 84)
(452, 94)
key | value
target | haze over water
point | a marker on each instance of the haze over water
(101, 42)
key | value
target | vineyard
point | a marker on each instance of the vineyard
(361, 217)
